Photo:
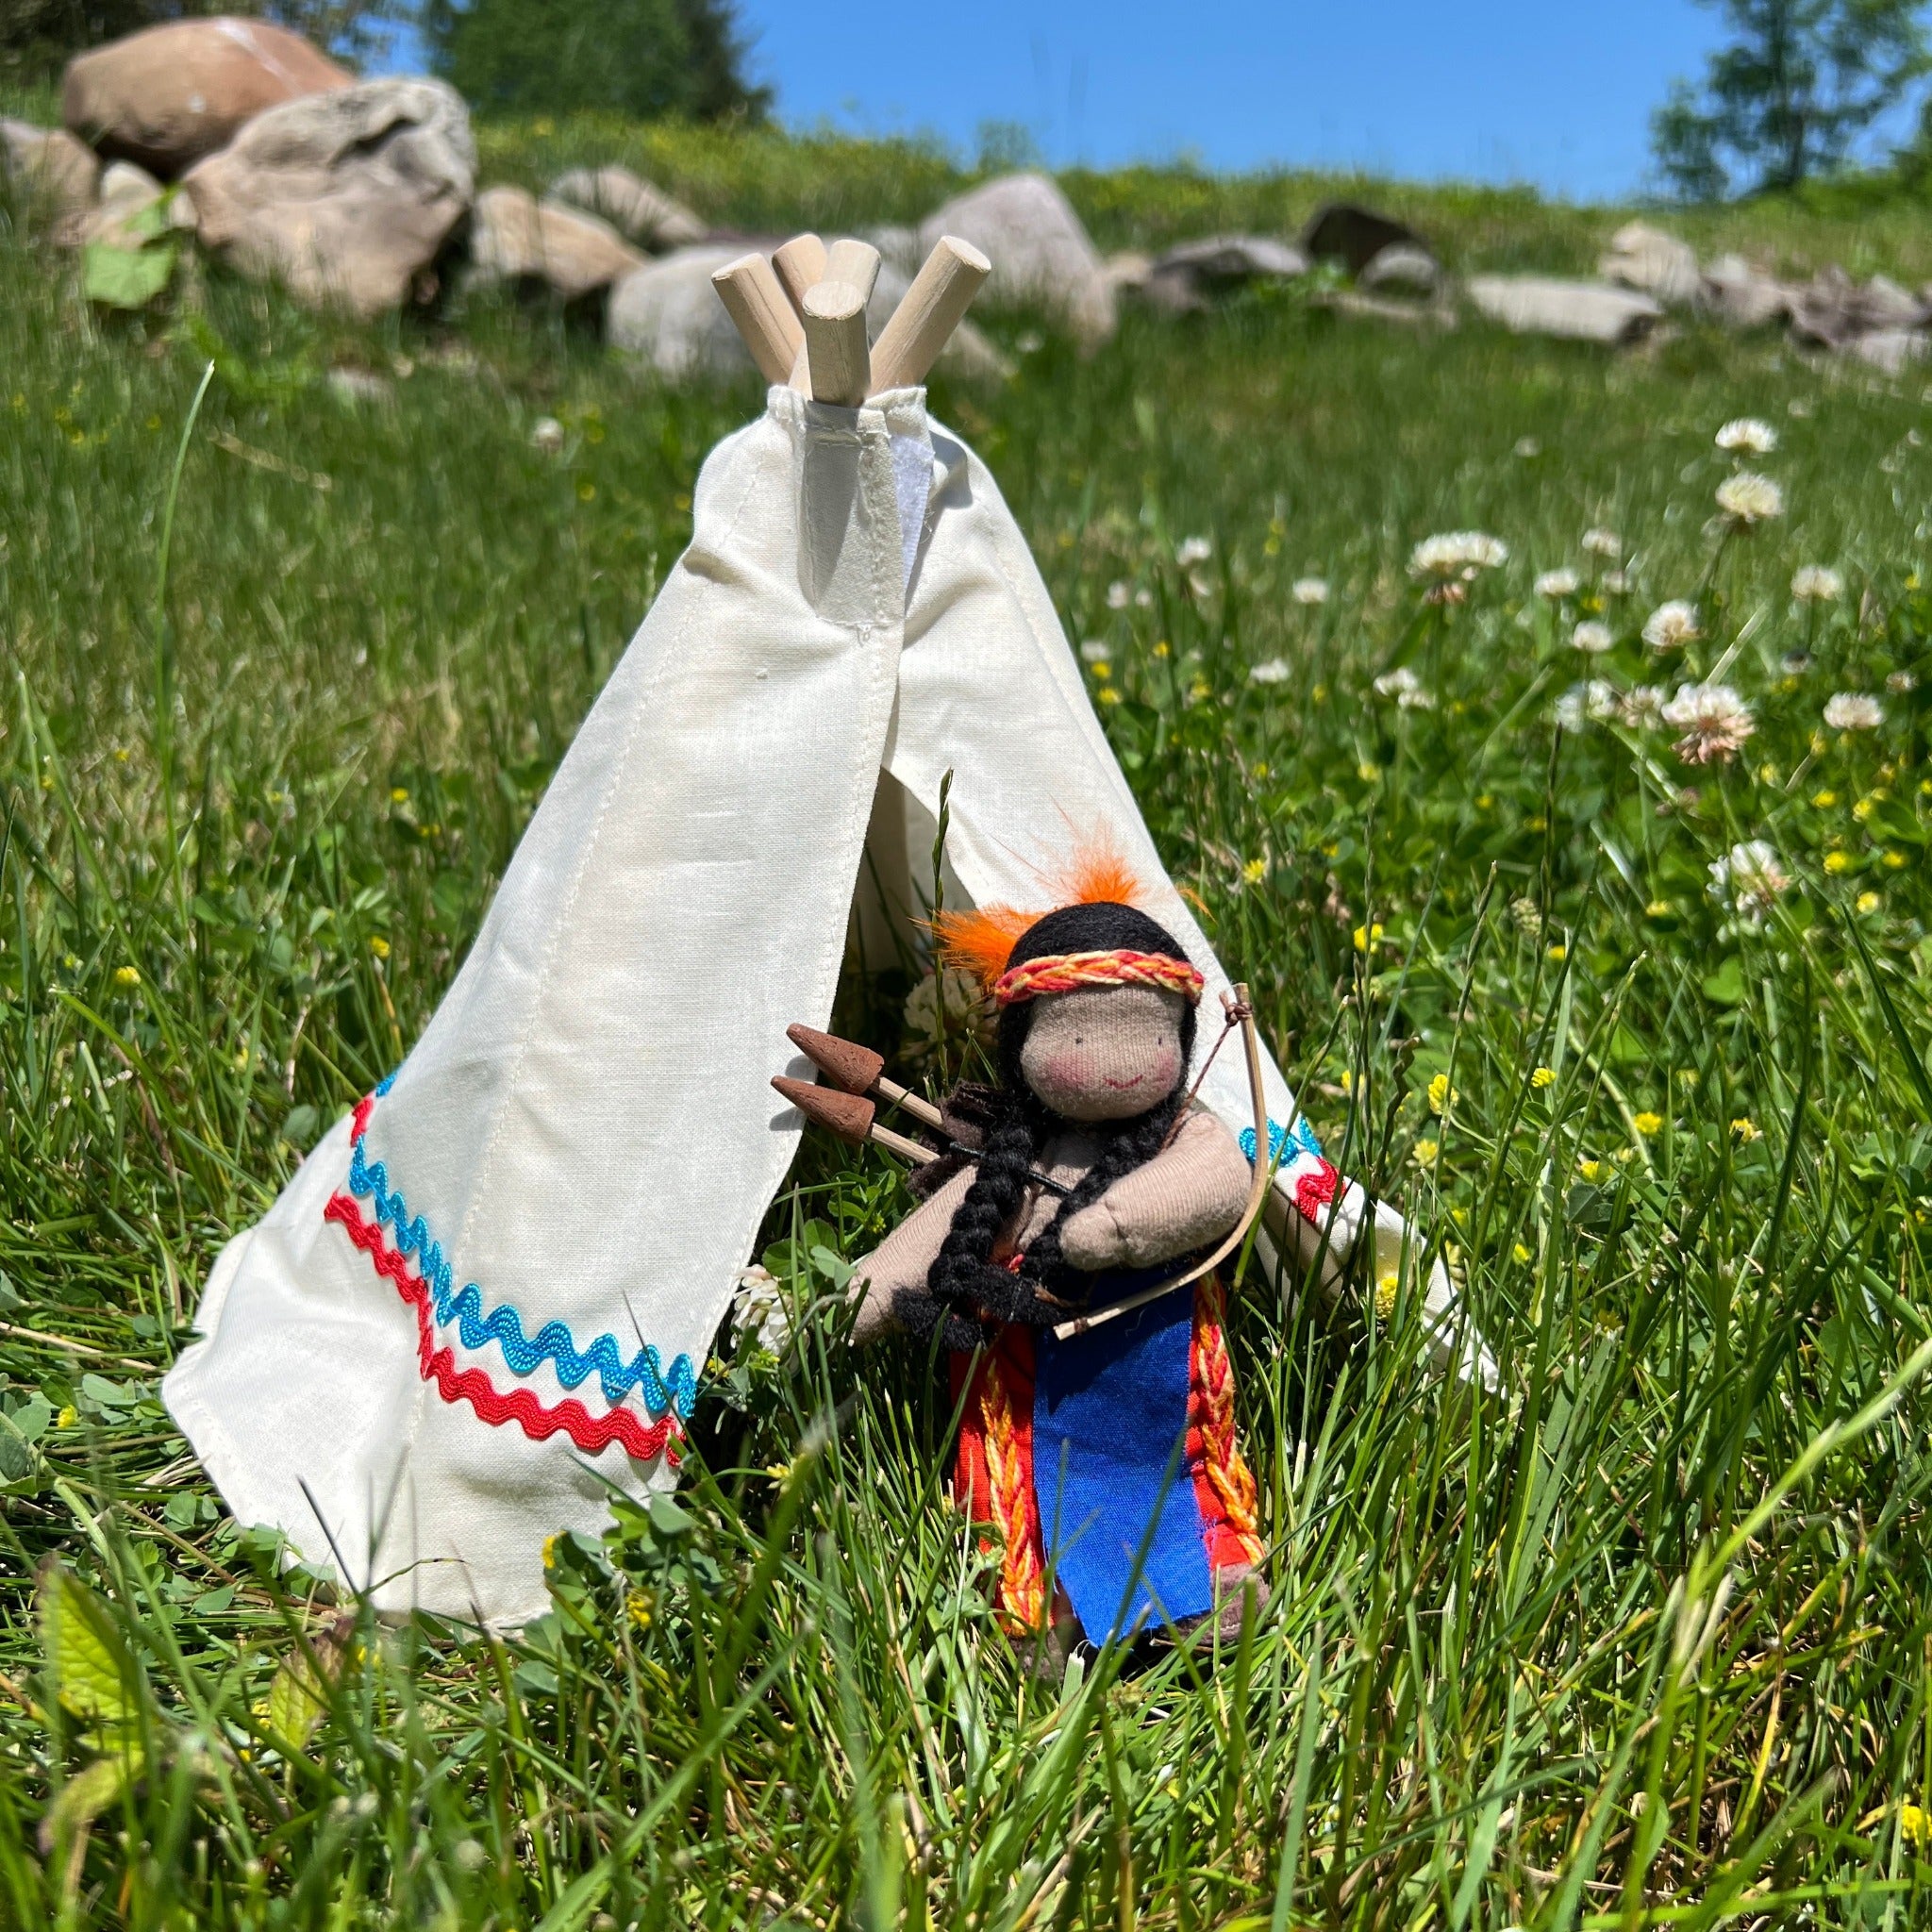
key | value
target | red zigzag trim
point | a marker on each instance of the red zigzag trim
(520, 1406)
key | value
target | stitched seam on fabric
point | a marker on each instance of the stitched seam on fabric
(884, 668)
(437, 1367)
(643, 710)
(674, 1389)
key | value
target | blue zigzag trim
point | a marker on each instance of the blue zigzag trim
(1301, 1137)
(675, 1389)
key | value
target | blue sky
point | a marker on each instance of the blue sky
(1556, 92)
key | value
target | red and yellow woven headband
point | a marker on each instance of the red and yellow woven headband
(1064, 972)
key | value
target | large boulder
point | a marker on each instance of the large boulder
(1403, 269)
(631, 205)
(1744, 297)
(1576, 311)
(50, 176)
(1833, 311)
(1354, 236)
(170, 94)
(516, 237)
(344, 196)
(667, 314)
(1039, 251)
(1191, 275)
(1892, 350)
(116, 220)
(1654, 263)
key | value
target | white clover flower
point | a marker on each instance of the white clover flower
(1642, 707)
(1143, 598)
(1117, 594)
(1193, 550)
(1309, 590)
(1457, 555)
(1672, 625)
(1403, 685)
(1715, 721)
(760, 1306)
(1817, 583)
(1749, 499)
(1748, 880)
(1747, 436)
(1096, 650)
(1527, 446)
(1853, 710)
(547, 436)
(1593, 638)
(1594, 703)
(1900, 682)
(1602, 542)
(1616, 583)
(1270, 671)
(1556, 584)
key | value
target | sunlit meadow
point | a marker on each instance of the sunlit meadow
(1543, 734)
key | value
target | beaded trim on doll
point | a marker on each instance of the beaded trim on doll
(428, 1286)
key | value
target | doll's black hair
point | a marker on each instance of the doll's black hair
(962, 1281)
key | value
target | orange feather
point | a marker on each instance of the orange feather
(981, 941)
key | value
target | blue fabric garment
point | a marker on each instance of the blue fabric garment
(1109, 1429)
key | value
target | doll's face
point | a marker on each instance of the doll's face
(1105, 1053)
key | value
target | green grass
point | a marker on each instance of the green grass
(1643, 1640)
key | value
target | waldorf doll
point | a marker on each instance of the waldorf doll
(1104, 1464)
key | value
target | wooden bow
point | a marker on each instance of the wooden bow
(1257, 1192)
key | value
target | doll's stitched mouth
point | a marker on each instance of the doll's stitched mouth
(1121, 1085)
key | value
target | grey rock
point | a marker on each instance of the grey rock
(1040, 253)
(1741, 296)
(667, 314)
(514, 238)
(1893, 350)
(898, 247)
(344, 196)
(1402, 269)
(1574, 310)
(1646, 259)
(127, 193)
(637, 209)
(1834, 311)
(1195, 274)
(1345, 232)
(50, 176)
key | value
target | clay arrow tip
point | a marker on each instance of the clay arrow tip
(844, 1114)
(856, 1069)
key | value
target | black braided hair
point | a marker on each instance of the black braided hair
(963, 1288)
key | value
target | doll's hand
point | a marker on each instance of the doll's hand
(1092, 1240)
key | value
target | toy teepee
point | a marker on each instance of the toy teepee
(485, 1296)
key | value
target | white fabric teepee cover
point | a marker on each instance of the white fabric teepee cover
(484, 1299)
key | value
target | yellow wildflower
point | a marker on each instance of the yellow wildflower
(67, 1417)
(550, 1544)
(1163, 649)
(1559, 952)
(1894, 860)
(1424, 1152)
(1255, 871)
(1915, 1823)
(1590, 1169)
(1441, 1095)
(1658, 908)
(1745, 1130)
(1367, 938)
(127, 976)
(1108, 694)
(1368, 771)
(637, 1607)
(587, 491)
(1543, 1076)
(399, 794)
(1387, 1287)
(1869, 901)
(1825, 800)
(1518, 1254)
(1838, 862)
(379, 946)
(1648, 1124)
